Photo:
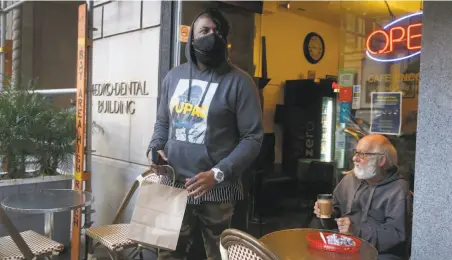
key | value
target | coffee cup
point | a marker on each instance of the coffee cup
(325, 202)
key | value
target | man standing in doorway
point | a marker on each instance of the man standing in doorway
(209, 129)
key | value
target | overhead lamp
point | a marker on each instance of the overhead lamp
(286, 5)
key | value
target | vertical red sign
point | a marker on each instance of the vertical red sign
(346, 94)
(80, 124)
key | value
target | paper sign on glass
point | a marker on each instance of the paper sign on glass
(386, 113)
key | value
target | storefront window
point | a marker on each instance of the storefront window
(320, 42)
(381, 48)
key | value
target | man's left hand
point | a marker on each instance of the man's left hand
(200, 184)
(344, 225)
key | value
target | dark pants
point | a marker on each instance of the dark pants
(211, 219)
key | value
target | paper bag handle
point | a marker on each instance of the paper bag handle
(174, 173)
(146, 174)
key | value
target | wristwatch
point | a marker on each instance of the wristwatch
(218, 175)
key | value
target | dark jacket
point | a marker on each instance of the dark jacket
(380, 213)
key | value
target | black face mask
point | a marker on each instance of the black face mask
(210, 50)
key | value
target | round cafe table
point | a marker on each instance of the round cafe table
(47, 202)
(291, 244)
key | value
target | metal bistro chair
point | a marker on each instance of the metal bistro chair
(114, 237)
(27, 245)
(238, 245)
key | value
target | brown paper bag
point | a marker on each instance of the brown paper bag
(157, 217)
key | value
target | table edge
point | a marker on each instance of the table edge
(45, 211)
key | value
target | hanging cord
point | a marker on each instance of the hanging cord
(389, 10)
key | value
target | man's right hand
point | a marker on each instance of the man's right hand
(159, 169)
(316, 209)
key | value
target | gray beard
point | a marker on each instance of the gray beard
(368, 172)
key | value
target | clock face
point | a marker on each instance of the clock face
(314, 48)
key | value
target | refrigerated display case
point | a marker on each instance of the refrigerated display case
(308, 123)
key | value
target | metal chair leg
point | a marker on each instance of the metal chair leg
(132, 253)
(136, 252)
(89, 251)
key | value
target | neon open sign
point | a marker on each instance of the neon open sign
(396, 41)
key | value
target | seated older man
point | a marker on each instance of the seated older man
(374, 201)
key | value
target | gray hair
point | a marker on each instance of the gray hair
(390, 153)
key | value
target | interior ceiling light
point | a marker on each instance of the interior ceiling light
(286, 5)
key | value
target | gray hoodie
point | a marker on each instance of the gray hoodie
(380, 214)
(208, 119)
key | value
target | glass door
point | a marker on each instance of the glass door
(241, 35)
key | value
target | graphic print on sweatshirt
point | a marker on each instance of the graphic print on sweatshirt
(189, 117)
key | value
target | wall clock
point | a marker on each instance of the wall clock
(313, 47)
